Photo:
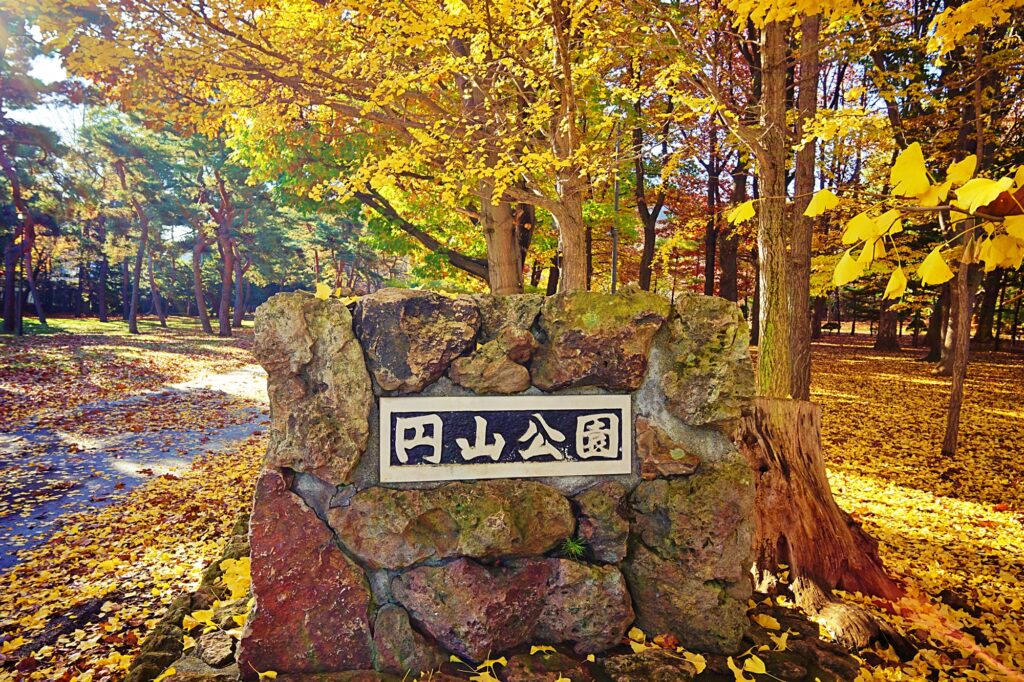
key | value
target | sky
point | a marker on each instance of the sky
(63, 119)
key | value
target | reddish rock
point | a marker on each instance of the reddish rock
(650, 665)
(594, 339)
(494, 367)
(312, 602)
(659, 454)
(410, 337)
(399, 648)
(585, 604)
(472, 610)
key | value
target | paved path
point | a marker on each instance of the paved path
(59, 463)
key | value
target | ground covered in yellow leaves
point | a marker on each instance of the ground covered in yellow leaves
(77, 607)
(953, 529)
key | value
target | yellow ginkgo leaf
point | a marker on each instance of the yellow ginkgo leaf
(639, 647)
(1014, 225)
(935, 195)
(636, 634)
(591, 658)
(888, 223)
(267, 675)
(323, 292)
(897, 284)
(847, 270)
(908, 176)
(766, 621)
(491, 662)
(962, 171)
(484, 676)
(754, 665)
(543, 649)
(164, 675)
(933, 269)
(741, 213)
(981, 192)
(737, 672)
(696, 660)
(867, 254)
(188, 642)
(859, 228)
(823, 200)
(1018, 177)
(780, 641)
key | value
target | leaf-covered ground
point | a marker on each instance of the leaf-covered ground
(77, 607)
(952, 528)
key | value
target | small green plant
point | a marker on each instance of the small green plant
(573, 548)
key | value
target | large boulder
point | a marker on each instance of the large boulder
(585, 604)
(704, 522)
(320, 393)
(659, 455)
(518, 311)
(393, 529)
(410, 337)
(473, 610)
(603, 525)
(595, 339)
(688, 568)
(650, 665)
(545, 667)
(312, 602)
(709, 377)
(399, 648)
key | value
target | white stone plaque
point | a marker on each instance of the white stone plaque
(465, 438)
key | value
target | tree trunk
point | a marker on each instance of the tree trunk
(572, 239)
(797, 522)
(711, 227)
(82, 286)
(933, 337)
(960, 332)
(803, 227)
(728, 242)
(227, 254)
(535, 273)
(755, 306)
(197, 283)
(987, 310)
(820, 309)
(961, 297)
(12, 254)
(236, 319)
(126, 299)
(133, 310)
(154, 294)
(887, 338)
(775, 362)
(504, 264)
(101, 298)
(554, 273)
(999, 316)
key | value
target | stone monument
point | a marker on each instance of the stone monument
(471, 474)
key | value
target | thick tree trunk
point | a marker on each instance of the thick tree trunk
(554, 274)
(820, 309)
(755, 306)
(933, 337)
(987, 310)
(887, 338)
(571, 238)
(960, 331)
(961, 296)
(728, 242)
(711, 227)
(803, 227)
(239, 313)
(775, 359)
(797, 520)
(504, 263)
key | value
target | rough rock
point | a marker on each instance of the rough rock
(587, 605)
(210, 675)
(650, 665)
(659, 455)
(518, 311)
(704, 522)
(400, 648)
(410, 337)
(312, 602)
(704, 615)
(495, 366)
(545, 667)
(710, 377)
(320, 392)
(215, 649)
(595, 339)
(602, 523)
(348, 676)
(393, 529)
(473, 610)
